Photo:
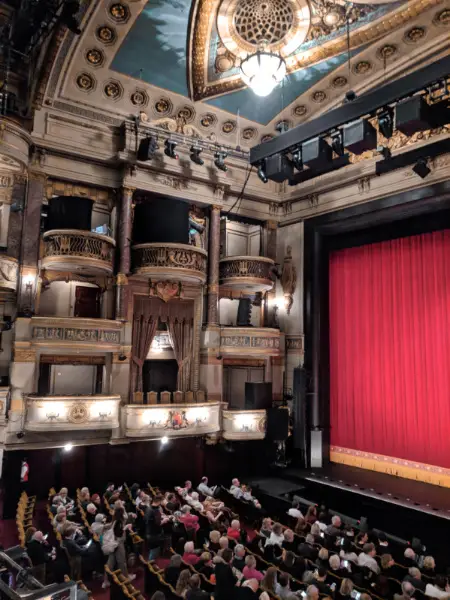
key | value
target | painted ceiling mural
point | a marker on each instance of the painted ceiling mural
(194, 47)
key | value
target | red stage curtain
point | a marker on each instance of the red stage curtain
(390, 348)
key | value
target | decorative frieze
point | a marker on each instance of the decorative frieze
(244, 424)
(261, 340)
(64, 331)
(170, 261)
(295, 343)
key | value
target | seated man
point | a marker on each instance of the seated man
(235, 489)
(318, 580)
(334, 530)
(194, 501)
(247, 496)
(186, 490)
(239, 557)
(415, 577)
(204, 488)
(295, 511)
(74, 549)
(367, 558)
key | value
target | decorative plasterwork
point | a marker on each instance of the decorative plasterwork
(95, 334)
(288, 280)
(244, 424)
(239, 340)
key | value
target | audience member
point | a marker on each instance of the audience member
(239, 557)
(334, 530)
(266, 527)
(438, 589)
(367, 558)
(383, 544)
(415, 577)
(319, 578)
(117, 558)
(171, 502)
(335, 566)
(295, 511)
(269, 583)
(250, 571)
(173, 570)
(361, 539)
(225, 578)
(410, 558)
(91, 511)
(294, 565)
(204, 488)
(190, 557)
(347, 552)
(234, 531)
(38, 550)
(407, 592)
(323, 558)
(205, 565)
(307, 549)
(195, 592)
(183, 586)
(276, 536)
(322, 521)
(289, 540)
(154, 521)
(301, 527)
(311, 514)
(223, 543)
(345, 590)
(429, 566)
(214, 538)
(190, 521)
(283, 587)
(312, 592)
(235, 488)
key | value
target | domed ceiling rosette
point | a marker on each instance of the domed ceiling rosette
(223, 32)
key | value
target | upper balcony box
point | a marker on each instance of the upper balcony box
(170, 261)
(69, 244)
(246, 273)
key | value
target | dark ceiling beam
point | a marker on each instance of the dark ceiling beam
(363, 106)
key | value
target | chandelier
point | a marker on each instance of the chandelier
(262, 71)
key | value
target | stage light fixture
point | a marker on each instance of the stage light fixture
(421, 168)
(195, 155)
(386, 122)
(147, 148)
(68, 447)
(169, 149)
(164, 440)
(219, 160)
(337, 143)
(262, 171)
(359, 136)
(316, 153)
(297, 160)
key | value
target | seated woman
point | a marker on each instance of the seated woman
(205, 565)
(189, 521)
(234, 531)
(173, 570)
(250, 571)
(214, 538)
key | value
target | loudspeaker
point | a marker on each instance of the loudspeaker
(161, 220)
(360, 136)
(277, 424)
(244, 313)
(316, 449)
(258, 396)
(299, 409)
(147, 148)
(69, 212)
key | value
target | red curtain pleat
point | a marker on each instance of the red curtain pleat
(390, 348)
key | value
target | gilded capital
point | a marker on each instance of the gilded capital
(121, 279)
(216, 207)
(271, 224)
(128, 190)
(37, 176)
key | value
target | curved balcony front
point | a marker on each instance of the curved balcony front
(68, 413)
(244, 424)
(246, 273)
(8, 276)
(170, 261)
(76, 250)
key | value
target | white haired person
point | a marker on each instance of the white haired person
(234, 531)
(235, 488)
(194, 501)
(190, 556)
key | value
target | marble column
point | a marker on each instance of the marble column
(213, 266)
(31, 241)
(124, 247)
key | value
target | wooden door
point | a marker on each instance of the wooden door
(87, 302)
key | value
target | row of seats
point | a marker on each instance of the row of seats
(177, 397)
(24, 515)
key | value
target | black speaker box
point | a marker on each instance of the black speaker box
(244, 313)
(258, 396)
(69, 212)
(161, 220)
(277, 424)
(360, 136)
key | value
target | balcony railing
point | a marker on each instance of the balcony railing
(76, 332)
(172, 420)
(67, 413)
(244, 424)
(167, 261)
(8, 276)
(251, 341)
(85, 250)
(247, 273)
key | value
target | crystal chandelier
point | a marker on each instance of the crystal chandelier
(262, 71)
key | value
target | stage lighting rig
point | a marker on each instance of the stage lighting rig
(169, 149)
(386, 122)
(219, 160)
(337, 143)
(359, 136)
(262, 172)
(296, 158)
(421, 168)
(316, 153)
(385, 152)
(195, 155)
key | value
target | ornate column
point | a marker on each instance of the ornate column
(31, 241)
(124, 245)
(213, 266)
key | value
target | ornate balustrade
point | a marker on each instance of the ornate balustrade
(75, 332)
(251, 341)
(170, 261)
(172, 420)
(86, 251)
(244, 424)
(66, 413)
(246, 273)
(8, 276)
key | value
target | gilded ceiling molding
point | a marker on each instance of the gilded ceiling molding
(204, 14)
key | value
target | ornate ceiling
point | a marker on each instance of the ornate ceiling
(170, 58)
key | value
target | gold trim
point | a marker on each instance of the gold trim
(81, 233)
(24, 356)
(75, 322)
(147, 407)
(392, 466)
(83, 398)
(47, 262)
